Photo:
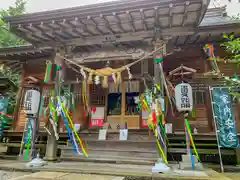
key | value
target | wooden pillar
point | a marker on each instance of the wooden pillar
(123, 107)
(106, 91)
(157, 69)
(51, 150)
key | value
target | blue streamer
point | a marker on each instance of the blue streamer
(68, 130)
(41, 107)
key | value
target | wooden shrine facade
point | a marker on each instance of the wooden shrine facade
(115, 34)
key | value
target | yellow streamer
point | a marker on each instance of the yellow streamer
(193, 145)
(74, 130)
(159, 146)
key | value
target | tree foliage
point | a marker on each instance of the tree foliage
(232, 46)
(6, 38)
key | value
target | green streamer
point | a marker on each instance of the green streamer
(28, 146)
(48, 73)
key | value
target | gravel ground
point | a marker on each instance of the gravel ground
(7, 175)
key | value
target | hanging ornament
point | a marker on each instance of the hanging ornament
(158, 59)
(59, 67)
(114, 77)
(97, 80)
(129, 73)
(83, 73)
(48, 72)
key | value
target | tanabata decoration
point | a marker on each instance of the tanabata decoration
(62, 110)
(184, 103)
(209, 51)
(72, 132)
(150, 102)
(48, 72)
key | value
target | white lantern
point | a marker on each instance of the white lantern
(31, 101)
(184, 97)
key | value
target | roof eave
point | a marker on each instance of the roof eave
(108, 7)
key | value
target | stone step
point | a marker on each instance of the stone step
(116, 144)
(115, 151)
(114, 135)
(107, 153)
(111, 160)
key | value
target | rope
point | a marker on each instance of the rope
(89, 70)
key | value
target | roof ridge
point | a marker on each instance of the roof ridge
(216, 11)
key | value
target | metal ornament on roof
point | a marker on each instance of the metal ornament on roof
(184, 97)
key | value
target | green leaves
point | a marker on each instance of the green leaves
(232, 46)
(6, 38)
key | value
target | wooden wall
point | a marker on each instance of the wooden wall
(193, 58)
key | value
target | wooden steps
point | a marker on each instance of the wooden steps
(139, 147)
(115, 151)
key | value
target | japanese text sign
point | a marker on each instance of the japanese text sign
(224, 116)
(183, 96)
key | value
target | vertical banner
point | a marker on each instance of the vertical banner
(3, 111)
(224, 117)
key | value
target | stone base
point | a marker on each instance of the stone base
(186, 163)
(160, 167)
(36, 162)
(22, 157)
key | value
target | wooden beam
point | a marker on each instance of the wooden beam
(197, 38)
(33, 29)
(186, 39)
(156, 17)
(118, 22)
(143, 19)
(90, 19)
(131, 21)
(170, 15)
(107, 24)
(66, 30)
(201, 12)
(45, 31)
(75, 24)
(123, 99)
(30, 34)
(55, 30)
(186, 7)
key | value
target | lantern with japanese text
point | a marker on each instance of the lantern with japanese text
(31, 101)
(184, 97)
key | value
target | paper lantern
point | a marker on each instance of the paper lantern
(184, 97)
(31, 101)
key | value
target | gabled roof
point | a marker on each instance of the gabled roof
(213, 25)
(126, 20)
(217, 17)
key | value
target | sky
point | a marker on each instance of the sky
(42, 5)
